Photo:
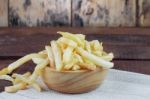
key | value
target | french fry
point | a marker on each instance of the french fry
(6, 77)
(72, 37)
(81, 36)
(87, 66)
(57, 56)
(96, 60)
(88, 47)
(108, 57)
(4, 71)
(37, 60)
(88, 62)
(104, 53)
(21, 78)
(37, 87)
(67, 41)
(97, 46)
(15, 88)
(76, 67)
(71, 64)
(97, 53)
(92, 45)
(62, 46)
(16, 80)
(67, 56)
(27, 81)
(43, 52)
(38, 70)
(79, 58)
(23, 60)
(50, 56)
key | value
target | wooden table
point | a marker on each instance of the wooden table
(131, 46)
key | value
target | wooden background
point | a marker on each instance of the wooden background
(76, 13)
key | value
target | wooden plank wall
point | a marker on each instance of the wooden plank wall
(3, 13)
(76, 13)
(112, 13)
(144, 13)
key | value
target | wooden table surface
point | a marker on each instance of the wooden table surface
(131, 46)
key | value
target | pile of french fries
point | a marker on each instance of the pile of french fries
(71, 52)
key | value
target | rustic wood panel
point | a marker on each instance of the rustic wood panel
(133, 66)
(39, 12)
(112, 13)
(3, 13)
(144, 12)
(126, 43)
(84, 30)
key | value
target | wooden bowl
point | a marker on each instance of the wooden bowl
(73, 81)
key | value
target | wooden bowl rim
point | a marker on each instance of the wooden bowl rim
(76, 71)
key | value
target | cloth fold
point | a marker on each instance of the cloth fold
(117, 85)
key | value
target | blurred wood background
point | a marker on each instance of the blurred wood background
(75, 13)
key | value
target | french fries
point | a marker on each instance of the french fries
(57, 55)
(72, 37)
(71, 52)
(4, 71)
(38, 69)
(79, 58)
(23, 60)
(76, 67)
(87, 66)
(71, 64)
(67, 56)
(67, 41)
(6, 77)
(96, 60)
(50, 55)
(16, 80)
(108, 57)
(37, 60)
(81, 36)
(27, 81)
(15, 88)
(88, 47)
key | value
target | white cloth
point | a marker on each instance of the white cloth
(117, 85)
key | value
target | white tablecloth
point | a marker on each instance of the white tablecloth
(118, 85)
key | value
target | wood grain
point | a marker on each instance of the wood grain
(3, 13)
(144, 12)
(138, 66)
(74, 82)
(99, 13)
(39, 12)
